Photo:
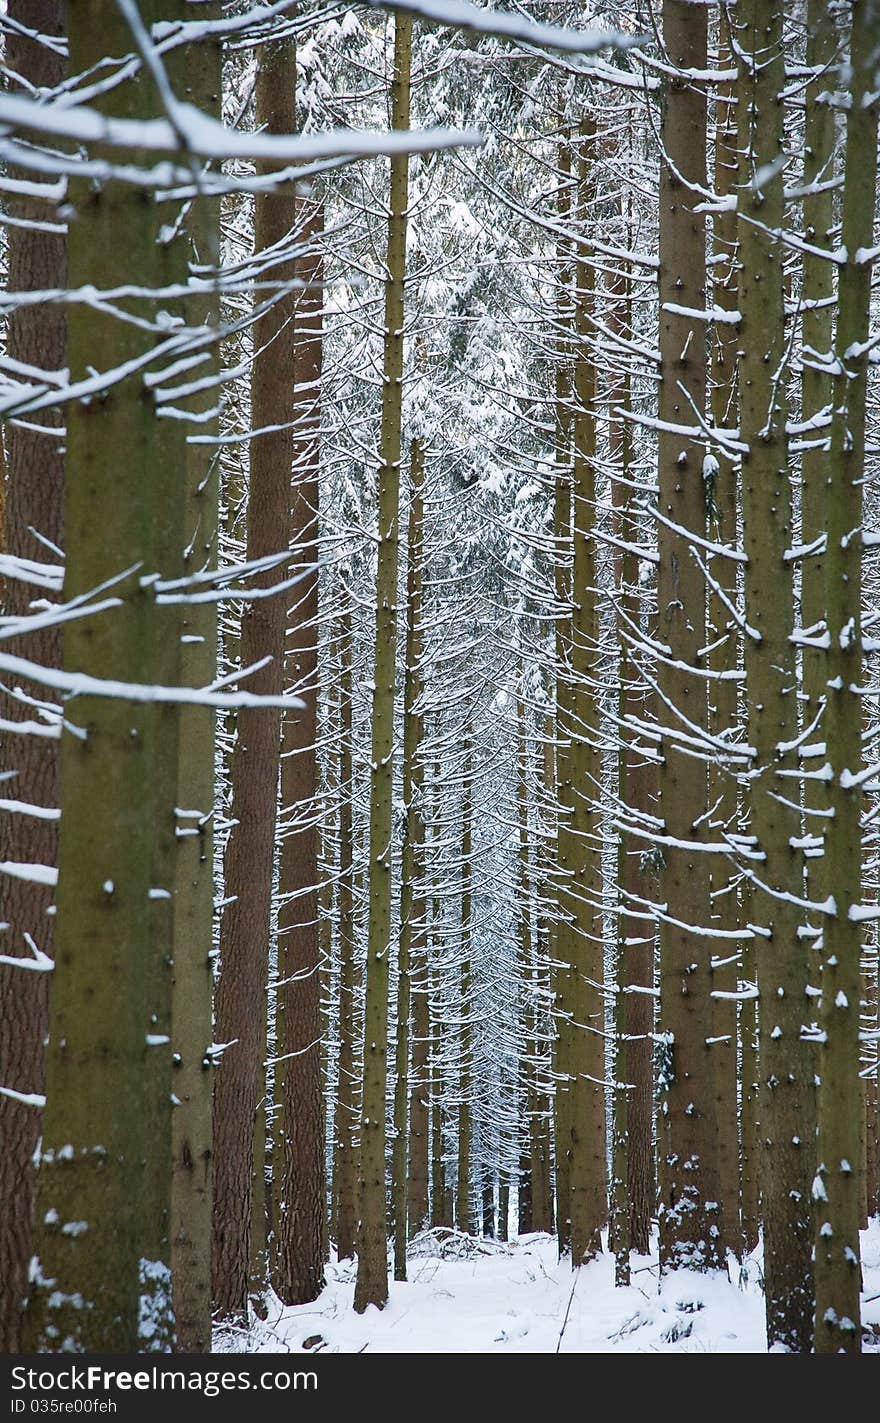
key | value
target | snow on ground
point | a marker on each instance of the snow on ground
(466, 1296)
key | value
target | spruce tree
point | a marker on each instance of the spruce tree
(32, 486)
(372, 1279)
(690, 1226)
(838, 1179)
(100, 1278)
(786, 1108)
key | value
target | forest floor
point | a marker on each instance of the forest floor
(477, 1296)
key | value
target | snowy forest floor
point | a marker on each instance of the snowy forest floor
(469, 1296)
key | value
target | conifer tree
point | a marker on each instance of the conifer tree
(100, 1278)
(721, 509)
(372, 1279)
(464, 1204)
(344, 1182)
(249, 865)
(409, 1159)
(32, 486)
(193, 904)
(689, 1222)
(838, 1179)
(580, 935)
(786, 1108)
(298, 1125)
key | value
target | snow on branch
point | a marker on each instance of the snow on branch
(39, 963)
(27, 1099)
(81, 684)
(200, 136)
(461, 15)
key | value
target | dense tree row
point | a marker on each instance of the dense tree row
(439, 704)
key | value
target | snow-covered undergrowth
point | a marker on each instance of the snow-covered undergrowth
(471, 1296)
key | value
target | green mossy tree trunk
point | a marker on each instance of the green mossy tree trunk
(837, 1188)
(724, 656)
(817, 344)
(193, 905)
(690, 1225)
(786, 1108)
(372, 1277)
(100, 1277)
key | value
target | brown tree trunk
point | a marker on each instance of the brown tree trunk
(298, 1139)
(690, 1219)
(28, 818)
(721, 498)
(346, 1105)
(417, 1209)
(465, 1217)
(244, 934)
(410, 1179)
(528, 997)
(562, 512)
(542, 1124)
(108, 1040)
(372, 1277)
(637, 789)
(192, 998)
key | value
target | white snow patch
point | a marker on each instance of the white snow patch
(474, 1296)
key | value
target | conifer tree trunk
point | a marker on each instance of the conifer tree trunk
(244, 931)
(689, 1221)
(105, 1160)
(328, 862)
(488, 1208)
(193, 906)
(837, 1185)
(527, 1086)
(262, 1195)
(580, 864)
(626, 1044)
(750, 1147)
(298, 1125)
(872, 1088)
(562, 510)
(503, 1210)
(372, 1278)
(817, 336)
(407, 1145)
(345, 1111)
(721, 501)
(786, 1103)
(417, 1198)
(440, 1213)
(817, 341)
(417, 1201)
(543, 1141)
(633, 1162)
(33, 483)
(464, 1207)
